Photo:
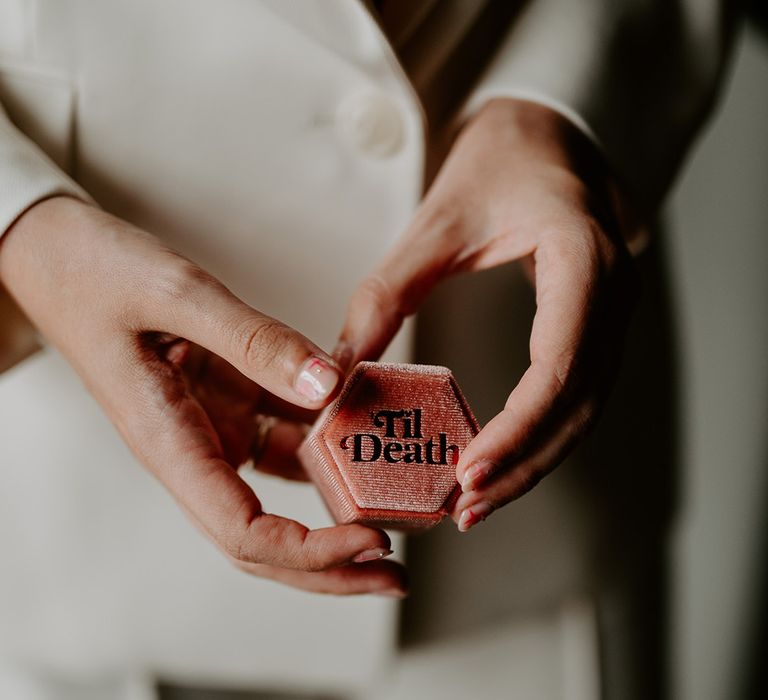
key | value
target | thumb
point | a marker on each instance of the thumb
(200, 308)
(395, 290)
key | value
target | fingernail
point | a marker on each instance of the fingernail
(393, 593)
(316, 379)
(178, 352)
(372, 555)
(473, 515)
(477, 474)
(343, 353)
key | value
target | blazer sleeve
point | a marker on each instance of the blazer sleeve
(638, 77)
(27, 176)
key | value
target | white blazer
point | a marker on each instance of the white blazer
(280, 144)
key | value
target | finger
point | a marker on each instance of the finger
(218, 376)
(516, 478)
(379, 577)
(397, 287)
(530, 416)
(238, 409)
(229, 399)
(196, 306)
(567, 316)
(171, 433)
(279, 456)
(387, 578)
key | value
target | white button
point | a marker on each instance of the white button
(371, 123)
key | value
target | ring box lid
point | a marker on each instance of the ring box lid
(385, 452)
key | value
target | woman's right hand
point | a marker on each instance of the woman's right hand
(125, 310)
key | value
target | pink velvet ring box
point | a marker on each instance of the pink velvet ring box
(385, 452)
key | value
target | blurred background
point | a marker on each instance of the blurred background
(718, 240)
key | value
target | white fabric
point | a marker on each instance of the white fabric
(40, 684)
(547, 655)
(27, 175)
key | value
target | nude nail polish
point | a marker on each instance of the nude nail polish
(316, 379)
(477, 474)
(393, 593)
(473, 515)
(385, 452)
(372, 555)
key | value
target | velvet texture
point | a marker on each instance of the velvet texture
(385, 452)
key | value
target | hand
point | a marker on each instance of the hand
(180, 366)
(521, 183)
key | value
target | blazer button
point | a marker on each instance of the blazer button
(372, 124)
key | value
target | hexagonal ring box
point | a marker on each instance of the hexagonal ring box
(385, 452)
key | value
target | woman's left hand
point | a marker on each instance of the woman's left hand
(521, 183)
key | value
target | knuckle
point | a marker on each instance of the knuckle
(311, 556)
(286, 543)
(375, 291)
(376, 295)
(393, 305)
(529, 480)
(260, 343)
(232, 545)
(232, 541)
(312, 564)
(585, 417)
(180, 279)
(234, 536)
(579, 245)
(563, 373)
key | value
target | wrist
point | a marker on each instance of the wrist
(36, 253)
(550, 136)
(26, 235)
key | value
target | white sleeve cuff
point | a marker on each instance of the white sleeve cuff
(636, 78)
(27, 175)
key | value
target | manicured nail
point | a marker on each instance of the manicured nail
(393, 593)
(343, 353)
(372, 555)
(477, 474)
(473, 515)
(316, 379)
